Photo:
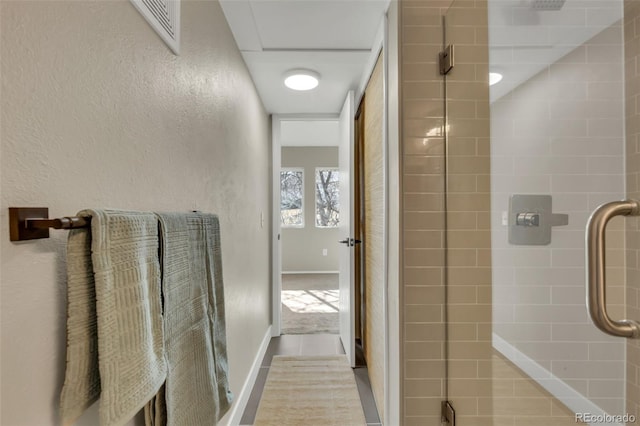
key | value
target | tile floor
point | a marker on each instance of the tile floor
(309, 344)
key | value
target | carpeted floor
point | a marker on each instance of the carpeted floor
(310, 304)
(310, 390)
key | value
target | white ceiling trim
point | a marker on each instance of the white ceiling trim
(240, 16)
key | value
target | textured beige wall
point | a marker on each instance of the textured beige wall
(302, 247)
(374, 222)
(97, 112)
(632, 112)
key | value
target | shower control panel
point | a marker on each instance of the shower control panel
(528, 219)
(531, 219)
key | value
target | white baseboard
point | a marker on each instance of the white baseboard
(237, 410)
(570, 397)
(309, 272)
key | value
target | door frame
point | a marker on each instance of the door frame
(276, 228)
(387, 41)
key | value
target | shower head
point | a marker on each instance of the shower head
(547, 4)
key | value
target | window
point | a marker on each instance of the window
(291, 198)
(327, 198)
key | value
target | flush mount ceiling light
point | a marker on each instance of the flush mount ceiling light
(494, 78)
(301, 79)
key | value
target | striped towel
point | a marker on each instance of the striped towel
(114, 319)
(197, 388)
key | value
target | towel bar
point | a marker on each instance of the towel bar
(32, 223)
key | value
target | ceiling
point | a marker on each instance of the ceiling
(335, 39)
(309, 132)
(331, 37)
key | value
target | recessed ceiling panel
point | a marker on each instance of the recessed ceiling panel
(332, 37)
(312, 24)
(339, 73)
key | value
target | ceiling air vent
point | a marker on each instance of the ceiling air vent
(547, 4)
(164, 17)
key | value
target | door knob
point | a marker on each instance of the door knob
(350, 242)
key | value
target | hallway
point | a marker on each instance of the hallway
(309, 345)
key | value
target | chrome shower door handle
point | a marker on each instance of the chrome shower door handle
(595, 258)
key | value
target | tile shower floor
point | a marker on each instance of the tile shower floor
(309, 344)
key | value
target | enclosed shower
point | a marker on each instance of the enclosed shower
(527, 160)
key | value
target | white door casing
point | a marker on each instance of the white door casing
(276, 246)
(346, 253)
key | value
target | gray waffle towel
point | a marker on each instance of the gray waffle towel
(114, 321)
(197, 388)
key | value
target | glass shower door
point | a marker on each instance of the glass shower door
(529, 158)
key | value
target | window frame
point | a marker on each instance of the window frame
(302, 197)
(315, 197)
